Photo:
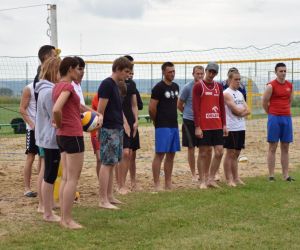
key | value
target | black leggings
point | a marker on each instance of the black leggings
(52, 159)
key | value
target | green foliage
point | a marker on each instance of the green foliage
(6, 92)
(296, 101)
(260, 215)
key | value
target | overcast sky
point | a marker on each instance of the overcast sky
(123, 26)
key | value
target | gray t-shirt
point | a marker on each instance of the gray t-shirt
(186, 96)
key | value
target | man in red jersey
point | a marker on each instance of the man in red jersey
(210, 124)
(276, 102)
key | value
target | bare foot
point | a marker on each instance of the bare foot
(239, 182)
(158, 188)
(123, 191)
(168, 186)
(213, 184)
(52, 218)
(217, 177)
(203, 185)
(40, 210)
(115, 201)
(70, 225)
(108, 206)
(195, 179)
(231, 184)
(135, 187)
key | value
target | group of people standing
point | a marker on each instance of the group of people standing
(213, 119)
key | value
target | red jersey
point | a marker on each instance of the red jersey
(71, 121)
(208, 106)
(280, 101)
(95, 102)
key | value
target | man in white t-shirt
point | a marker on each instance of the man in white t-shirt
(77, 84)
(28, 112)
(236, 109)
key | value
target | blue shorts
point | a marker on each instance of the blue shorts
(111, 147)
(41, 152)
(280, 127)
(167, 140)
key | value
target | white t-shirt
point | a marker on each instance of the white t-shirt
(31, 109)
(235, 123)
(78, 90)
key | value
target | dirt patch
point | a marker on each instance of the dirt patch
(15, 208)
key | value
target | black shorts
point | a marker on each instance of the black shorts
(131, 142)
(52, 159)
(188, 134)
(235, 140)
(211, 138)
(70, 144)
(30, 143)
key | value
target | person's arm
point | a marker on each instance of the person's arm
(153, 109)
(25, 99)
(102, 106)
(58, 106)
(266, 98)
(292, 95)
(126, 126)
(180, 105)
(139, 100)
(238, 111)
(135, 111)
(222, 110)
(196, 99)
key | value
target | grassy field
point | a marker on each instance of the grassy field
(260, 215)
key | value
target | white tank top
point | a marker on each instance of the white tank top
(235, 123)
(31, 109)
(78, 90)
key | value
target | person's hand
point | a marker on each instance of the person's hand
(100, 120)
(225, 131)
(54, 125)
(135, 128)
(126, 129)
(198, 132)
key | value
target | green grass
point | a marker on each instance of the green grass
(260, 215)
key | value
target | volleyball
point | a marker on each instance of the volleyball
(89, 121)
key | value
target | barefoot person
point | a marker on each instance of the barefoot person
(94, 137)
(130, 143)
(66, 114)
(185, 105)
(210, 124)
(28, 112)
(111, 133)
(45, 133)
(277, 100)
(163, 112)
(236, 109)
(45, 52)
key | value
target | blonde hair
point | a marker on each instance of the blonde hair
(50, 69)
(232, 73)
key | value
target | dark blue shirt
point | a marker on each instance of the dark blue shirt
(113, 115)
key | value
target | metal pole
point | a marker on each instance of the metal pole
(26, 67)
(53, 25)
(293, 71)
(151, 70)
(255, 69)
(220, 72)
(87, 80)
(185, 73)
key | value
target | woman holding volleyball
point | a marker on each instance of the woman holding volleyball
(66, 113)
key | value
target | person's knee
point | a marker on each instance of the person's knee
(219, 153)
(126, 153)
